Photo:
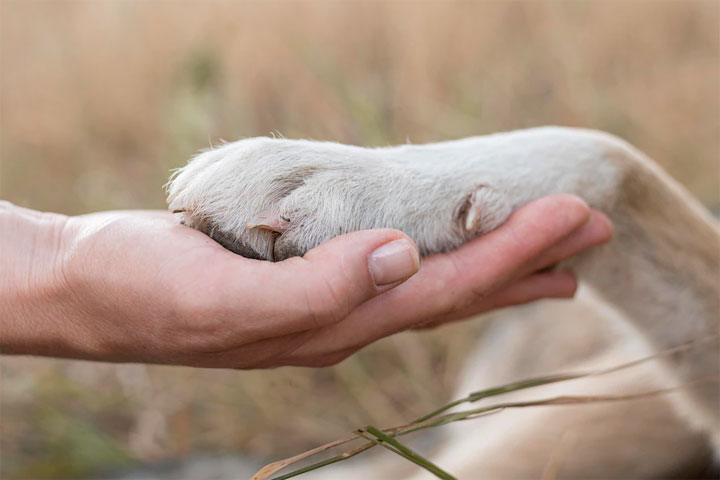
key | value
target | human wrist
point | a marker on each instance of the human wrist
(35, 297)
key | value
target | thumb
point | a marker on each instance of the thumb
(348, 270)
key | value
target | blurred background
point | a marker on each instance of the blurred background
(99, 99)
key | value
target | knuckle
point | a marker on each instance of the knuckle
(324, 304)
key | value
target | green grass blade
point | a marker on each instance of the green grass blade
(491, 392)
(410, 454)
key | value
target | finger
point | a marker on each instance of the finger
(322, 287)
(348, 270)
(596, 231)
(501, 254)
(450, 282)
(556, 284)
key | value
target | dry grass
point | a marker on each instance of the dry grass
(386, 437)
(99, 99)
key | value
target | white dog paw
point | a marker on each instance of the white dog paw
(273, 198)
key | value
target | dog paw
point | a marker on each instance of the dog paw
(274, 198)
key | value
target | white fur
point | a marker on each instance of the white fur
(327, 188)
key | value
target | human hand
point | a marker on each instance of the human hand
(134, 286)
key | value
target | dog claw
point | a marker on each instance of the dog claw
(472, 213)
(472, 217)
(269, 221)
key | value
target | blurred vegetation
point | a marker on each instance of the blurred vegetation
(100, 99)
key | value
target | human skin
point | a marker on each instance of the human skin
(135, 286)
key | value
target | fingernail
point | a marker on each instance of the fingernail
(394, 261)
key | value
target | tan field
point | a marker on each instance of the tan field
(100, 99)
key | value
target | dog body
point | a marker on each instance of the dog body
(276, 198)
(639, 439)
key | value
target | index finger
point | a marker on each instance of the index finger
(449, 282)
